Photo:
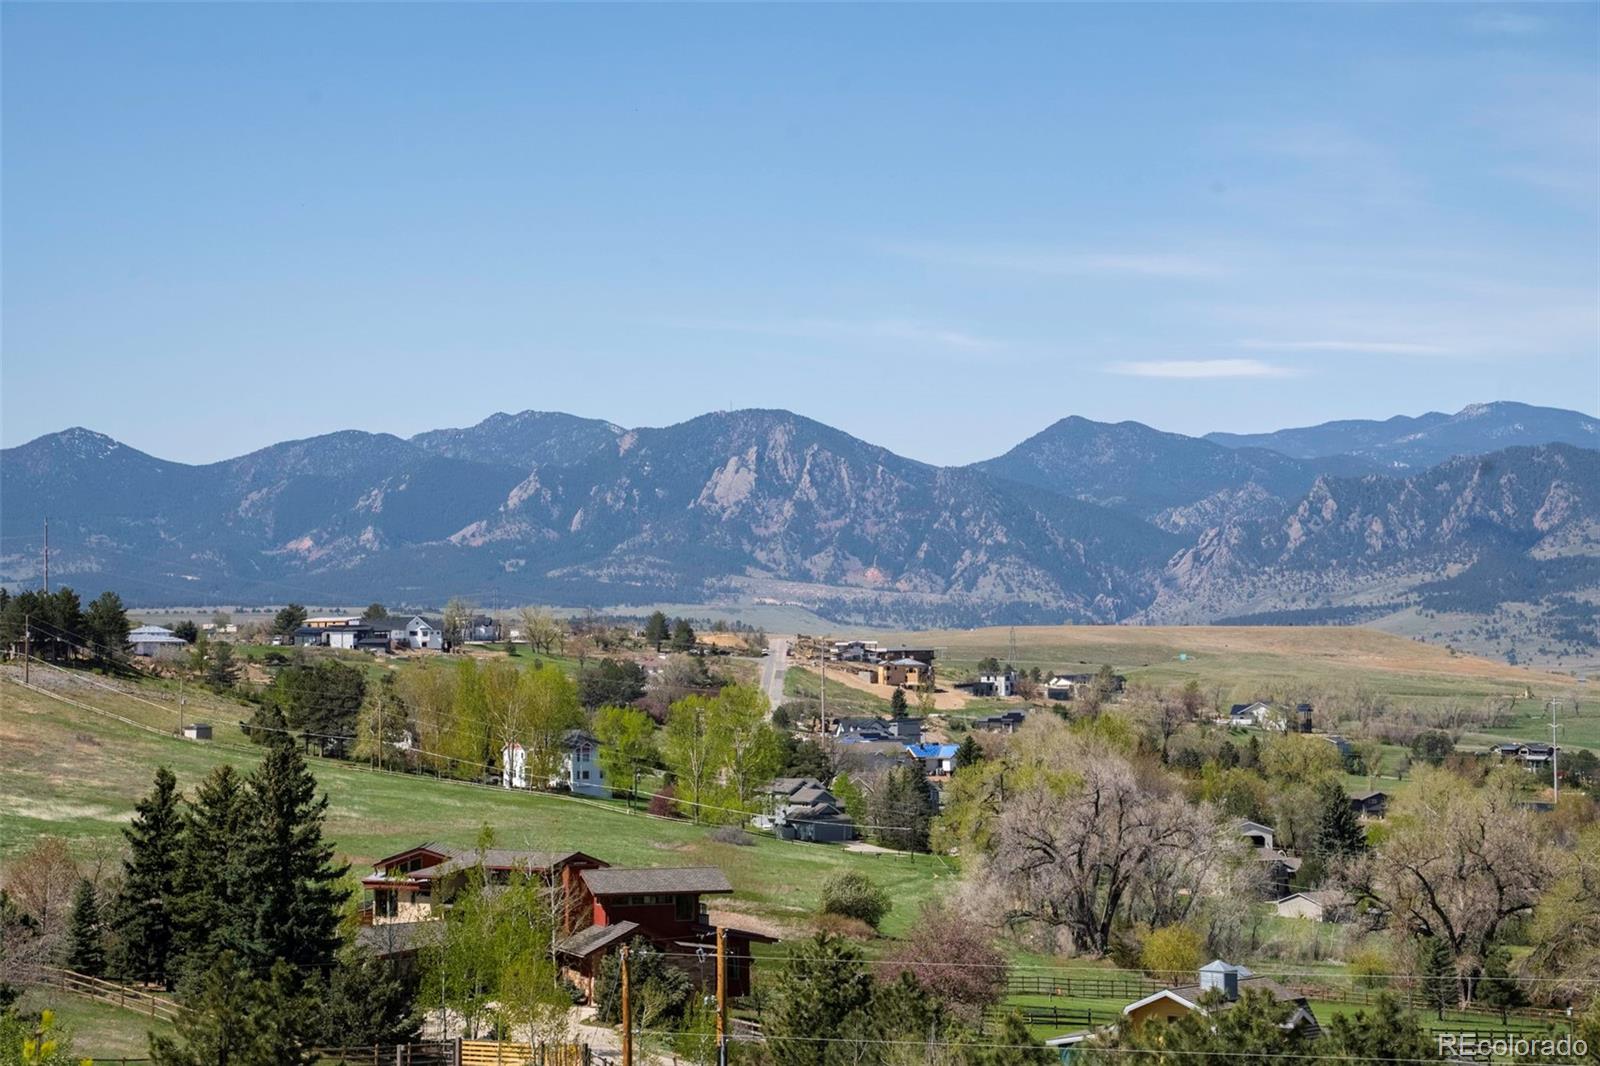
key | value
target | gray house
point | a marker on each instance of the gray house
(803, 809)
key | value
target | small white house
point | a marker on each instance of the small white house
(423, 634)
(580, 771)
(1257, 715)
(513, 766)
(197, 731)
(151, 640)
(1002, 684)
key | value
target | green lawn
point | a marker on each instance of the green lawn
(100, 1031)
(800, 684)
(75, 774)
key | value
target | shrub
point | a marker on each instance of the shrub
(1171, 952)
(733, 834)
(849, 928)
(664, 804)
(854, 895)
(1370, 967)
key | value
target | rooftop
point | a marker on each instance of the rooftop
(611, 881)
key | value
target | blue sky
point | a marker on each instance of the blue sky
(938, 228)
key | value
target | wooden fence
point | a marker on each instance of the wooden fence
(1057, 1017)
(422, 1053)
(509, 1053)
(129, 997)
(1082, 986)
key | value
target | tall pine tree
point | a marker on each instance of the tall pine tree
(292, 909)
(1497, 987)
(1339, 832)
(1438, 974)
(142, 913)
(206, 887)
(236, 1018)
(86, 951)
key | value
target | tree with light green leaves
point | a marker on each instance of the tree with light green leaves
(694, 751)
(627, 739)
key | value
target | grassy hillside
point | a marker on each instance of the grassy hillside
(75, 773)
(1243, 661)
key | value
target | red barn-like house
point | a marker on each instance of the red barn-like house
(603, 907)
(661, 905)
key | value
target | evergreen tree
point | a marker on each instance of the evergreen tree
(106, 625)
(1011, 1044)
(364, 1001)
(286, 621)
(656, 630)
(823, 983)
(1339, 832)
(1438, 974)
(1387, 1034)
(897, 703)
(1497, 988)
(682, 635)
(902, 810)
(968, 754)
(86, 952)
(374, 612)
(205, 890)
(222, 669)
(292, 913)
(232, 1017)
(142, 913)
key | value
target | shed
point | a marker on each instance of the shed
(197, 731)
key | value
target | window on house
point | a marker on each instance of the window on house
(685, 909)
(385, 903)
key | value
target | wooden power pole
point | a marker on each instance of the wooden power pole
(722, 997)
(627, 1013)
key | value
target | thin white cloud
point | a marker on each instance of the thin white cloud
(1506, 23)
(882, 329)
(1358, 347)
(1201, 368)
(1064, 263)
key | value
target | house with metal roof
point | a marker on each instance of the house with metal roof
(151, 640)
(938, 760)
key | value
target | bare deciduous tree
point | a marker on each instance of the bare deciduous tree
(1458, 865)
(1098, 841)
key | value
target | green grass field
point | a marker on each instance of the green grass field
(801, 685)
(100, 1031)
(73, 773)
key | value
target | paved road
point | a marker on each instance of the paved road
(773, 667)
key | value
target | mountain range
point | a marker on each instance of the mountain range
(1085, 521)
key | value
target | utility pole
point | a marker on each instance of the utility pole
(1555, 758)
(627, 1014)
(822, 688)
(722, 997)
(27, 648)
(180, 706)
